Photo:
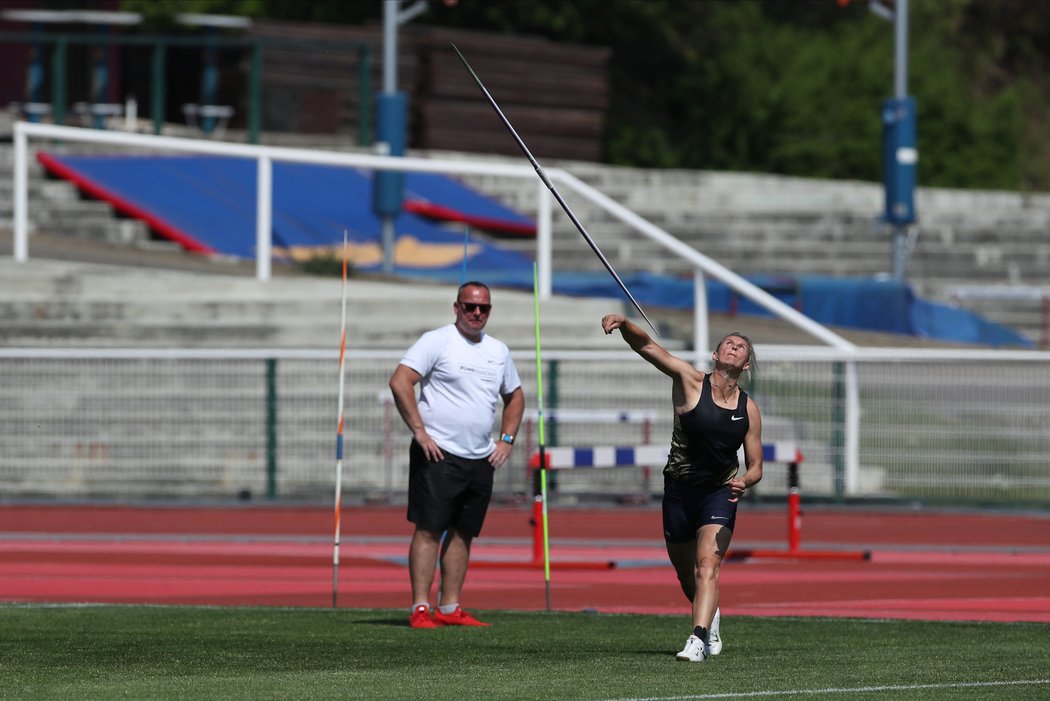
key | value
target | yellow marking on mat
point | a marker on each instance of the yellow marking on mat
(408, 251)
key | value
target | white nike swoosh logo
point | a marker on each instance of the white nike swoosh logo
(719, 518)
(737, 418)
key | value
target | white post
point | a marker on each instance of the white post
(20, 244)
(544, 243)
(131, 114)
(852, 457)
(701, 342)
(263, 213)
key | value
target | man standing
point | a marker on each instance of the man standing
(461, 372)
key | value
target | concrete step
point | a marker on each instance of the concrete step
(39, 189)
(84, 304)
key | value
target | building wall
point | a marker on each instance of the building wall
(555, 95)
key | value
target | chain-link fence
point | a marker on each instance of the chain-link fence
(181, 424)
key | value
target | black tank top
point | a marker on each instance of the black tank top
(706, 439)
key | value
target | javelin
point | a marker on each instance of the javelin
(543, 458)
(339, 436)
(554, 191)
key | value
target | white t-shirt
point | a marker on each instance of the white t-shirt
(462, 382)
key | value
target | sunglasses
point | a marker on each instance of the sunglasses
(469, 307)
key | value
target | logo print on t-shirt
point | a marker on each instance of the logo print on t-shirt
(487, 373)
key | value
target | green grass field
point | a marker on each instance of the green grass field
(148, 652)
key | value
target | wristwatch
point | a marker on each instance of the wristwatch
(507, 438)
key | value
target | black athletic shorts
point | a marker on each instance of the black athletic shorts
(686, 507)
(451, 493)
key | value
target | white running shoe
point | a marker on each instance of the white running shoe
(693, 650)
(714, 638)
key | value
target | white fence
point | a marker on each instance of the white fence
(940, 426)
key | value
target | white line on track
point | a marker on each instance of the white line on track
(842, 690)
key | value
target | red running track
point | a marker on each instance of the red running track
(923, 564)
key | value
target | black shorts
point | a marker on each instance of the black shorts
(451, 493)
(686, 507)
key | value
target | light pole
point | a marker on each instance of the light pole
(900, 157)
(391, 108)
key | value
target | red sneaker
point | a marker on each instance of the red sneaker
(420, 618)
(459, 617)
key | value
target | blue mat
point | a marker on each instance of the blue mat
(207, 204)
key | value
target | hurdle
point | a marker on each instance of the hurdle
(643, 418)
(781, 452)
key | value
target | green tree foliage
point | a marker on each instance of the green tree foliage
(779, 86)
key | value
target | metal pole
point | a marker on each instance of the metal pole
(271, 428)
(263, 217)
(255, 94)
(35, 78)
(838, 432)
(852, 428)
(21, 196)
(364, 95)
(209, 87)
(544, 239)
(900, 91)
(390, 8)
(99, 78)
(58, 81)
(159, 87)
(701, 333)
(900, 53)
(392, 121)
